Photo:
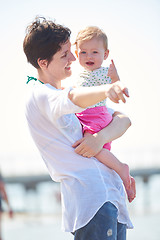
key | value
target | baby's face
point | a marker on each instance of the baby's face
(91, 54)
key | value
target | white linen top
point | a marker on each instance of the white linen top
(86, 184)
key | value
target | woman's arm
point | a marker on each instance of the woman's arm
(88, 96)
(90, 145)
(116, 128)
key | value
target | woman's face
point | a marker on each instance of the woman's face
(60, 66)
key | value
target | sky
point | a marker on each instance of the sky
(133, 30)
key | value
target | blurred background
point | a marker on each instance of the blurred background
(133, 30)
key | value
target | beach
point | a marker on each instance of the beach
(31, 227)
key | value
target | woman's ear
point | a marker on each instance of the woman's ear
(43, 63)
(106, 53)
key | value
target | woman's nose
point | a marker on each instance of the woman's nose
(72, 58)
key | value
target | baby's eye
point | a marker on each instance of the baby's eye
(95, 52)
(83, 52)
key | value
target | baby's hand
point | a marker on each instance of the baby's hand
(112, 72)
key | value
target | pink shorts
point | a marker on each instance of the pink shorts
(95, 119)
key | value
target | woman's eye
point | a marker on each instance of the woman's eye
(65, 55)
(83, 52)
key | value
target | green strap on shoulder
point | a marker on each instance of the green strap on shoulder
(32, 78)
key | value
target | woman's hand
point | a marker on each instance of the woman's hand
(89, 145)
(116, 92)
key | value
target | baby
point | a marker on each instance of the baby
(91, 50)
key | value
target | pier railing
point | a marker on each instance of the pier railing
(30, 181)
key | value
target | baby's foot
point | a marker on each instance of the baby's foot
(128, 181)
(131, 192)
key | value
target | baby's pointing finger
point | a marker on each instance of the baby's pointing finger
(113, 63)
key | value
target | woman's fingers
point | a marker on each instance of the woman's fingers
(87, 146)
(118, 92)
(77, 143)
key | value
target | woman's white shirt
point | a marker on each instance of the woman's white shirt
(86, 184)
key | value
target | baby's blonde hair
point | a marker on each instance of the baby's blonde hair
(89, 33)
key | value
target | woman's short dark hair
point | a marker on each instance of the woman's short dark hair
(43, 39)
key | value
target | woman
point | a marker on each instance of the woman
(93, 198)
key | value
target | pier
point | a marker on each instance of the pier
(145, 173)
(31, 181)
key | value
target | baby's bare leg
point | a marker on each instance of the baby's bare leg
(122, 169)
(108, 159)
